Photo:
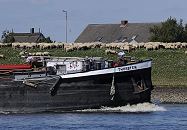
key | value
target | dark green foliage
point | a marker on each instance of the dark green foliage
(46, 40)
(7, 38)
(169, 31)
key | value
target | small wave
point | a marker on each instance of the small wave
(142, 107)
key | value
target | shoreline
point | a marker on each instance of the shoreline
(169, 95)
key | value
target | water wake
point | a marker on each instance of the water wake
(4, 113)
(138, 108)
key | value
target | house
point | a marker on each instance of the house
(124, 32)
(34, 37)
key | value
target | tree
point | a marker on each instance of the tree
(169, 31)
(46, 40)
(7, 37)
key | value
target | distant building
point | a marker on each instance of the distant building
(35, 37)
(124, 32)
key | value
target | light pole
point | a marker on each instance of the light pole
(66, 13)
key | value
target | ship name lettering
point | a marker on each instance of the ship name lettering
(127, 68)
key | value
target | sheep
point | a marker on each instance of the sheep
(141, 45)
(5, 44)
(134, 45)
(44, 46)
(69, 49)
(167, 46)
(155, 46)
(85, 46)
(81, 47)
(39, 54)
(23, 53)
(96, 45)
(103, 45)
(177, 45)
(108, 51)
(2, 56)
(37, 45)
(15, 45)
(59, 45)
(127, 48)
(183, 45)
(149, 47)
(46, 53)
(31, 54)
(1, 45)
(162, 45)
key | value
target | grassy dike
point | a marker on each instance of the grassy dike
(169, 66)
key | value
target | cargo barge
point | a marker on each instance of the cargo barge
(67, 84)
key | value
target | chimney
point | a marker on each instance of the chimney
(32, 30)
(124, 22)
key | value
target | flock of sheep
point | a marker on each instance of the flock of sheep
(5, 45)
(68, 47)
(37, 45)
(25, 53)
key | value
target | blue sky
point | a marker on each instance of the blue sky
(21, 15)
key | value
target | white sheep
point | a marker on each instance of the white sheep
(23, 53)
(69, 49)
(46, 53)
(127, 48)
(149, 47)
(183, 45)
(108, 51)
(2, 56)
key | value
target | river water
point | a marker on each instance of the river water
(142, 116)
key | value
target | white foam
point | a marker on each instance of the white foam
(5, 113)
(142, 107)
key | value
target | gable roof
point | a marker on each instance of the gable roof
(108, 33)
(27, 37)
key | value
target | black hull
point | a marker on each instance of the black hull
(77, 93)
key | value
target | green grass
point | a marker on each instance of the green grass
(11, 56)
(169, 66)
